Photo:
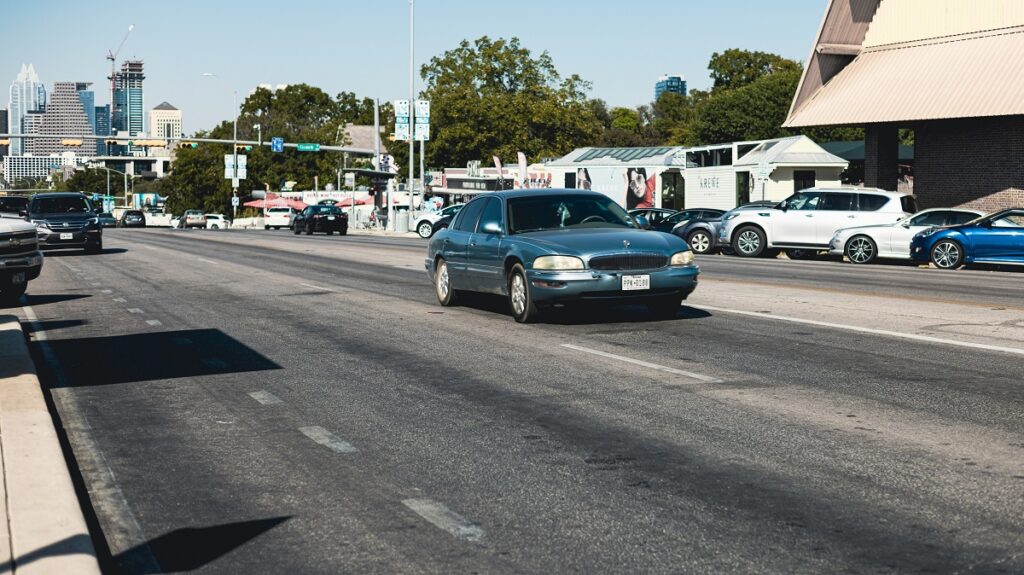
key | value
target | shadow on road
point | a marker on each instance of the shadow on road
(36, 299)
(191, 548)
(79, 252)
(74, 545)
(140, 357)
(579, 314)
(53, 324)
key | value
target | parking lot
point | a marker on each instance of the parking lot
(229, 394)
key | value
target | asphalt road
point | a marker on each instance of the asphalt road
(261, 402)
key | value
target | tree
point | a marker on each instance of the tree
(755, 111)
(494, 98)
(736, 68)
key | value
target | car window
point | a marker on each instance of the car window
(843, 202)
(803, 201)
(61, 205)
(470, 215)
(957, 218)
(1010, 220)
(553, 212)
(711, 214)
(450, 211)
(929, 219)
(873, 202)
(491, 213)
(13, 205)
(909, 204)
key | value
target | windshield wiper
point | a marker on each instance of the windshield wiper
(533, 230)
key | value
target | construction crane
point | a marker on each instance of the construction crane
(112, 56)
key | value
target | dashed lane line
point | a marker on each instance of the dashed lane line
(445, 519)
(134, 310)
(327, 439)
(153, 322)
(321, 288)
(663, 368)
(266, 398)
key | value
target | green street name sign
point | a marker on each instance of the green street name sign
(308, 147)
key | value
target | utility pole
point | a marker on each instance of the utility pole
(423, 190)
(412, 105)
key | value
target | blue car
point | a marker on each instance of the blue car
(541, 248)
(993, 239)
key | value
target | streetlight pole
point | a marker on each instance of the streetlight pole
(234, 146)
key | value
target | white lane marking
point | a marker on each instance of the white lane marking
(327, 439)
(153, 322)
(106, 291)
(134, 310)
(120, 300)
(95, 285)
(443, 518)
(120, 527)
(666, 369)
(266, 398)
(316, 287)
(872, 331)
(211, 262)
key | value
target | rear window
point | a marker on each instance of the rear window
(909, 203)
(13, 205)
(873, 202)
(325, 210)
(279, 210)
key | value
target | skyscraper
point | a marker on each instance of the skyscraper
(666, 83)
(102, 128)
(64, 116)
(27, 95)
(4, 150)
(128, 99)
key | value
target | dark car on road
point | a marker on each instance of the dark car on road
(107, 219)
(320, 219)
(65, 220)
(132, 219)
(13, 206)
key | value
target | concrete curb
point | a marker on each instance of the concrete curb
(43, 529)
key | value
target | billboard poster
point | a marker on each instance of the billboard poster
(632, 187)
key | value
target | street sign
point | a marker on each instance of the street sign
(308, 147)
(350, 180)
(762, 171)
(422, 132)
(403, 127)
(277, 144)
(421, 129)
(230, 172)
(402, 130)
(234, 201)
(402, 108)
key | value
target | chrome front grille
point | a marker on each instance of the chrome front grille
(629, 262)
(65, 226)
(18, 243)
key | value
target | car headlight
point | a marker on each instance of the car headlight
(93, 221)
(730, 216)
(557, 263)
(681, 258)
(927, 232)
(40, 224)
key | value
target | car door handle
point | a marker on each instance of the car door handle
(472, 243)
(851, 216)
(808, 215)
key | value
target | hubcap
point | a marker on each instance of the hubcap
(442, 281)
(749, 242)
(861, 251)
(700, 243)
(947, 255)
(424, 230)
(518, 294)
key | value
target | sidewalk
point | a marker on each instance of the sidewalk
(42, 529)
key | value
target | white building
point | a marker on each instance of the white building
(165, 121)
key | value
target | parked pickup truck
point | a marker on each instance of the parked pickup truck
(20, 258)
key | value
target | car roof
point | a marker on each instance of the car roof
(535, 192)
(854, 190)
(59, 195)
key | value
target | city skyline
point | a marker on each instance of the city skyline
(234, 41)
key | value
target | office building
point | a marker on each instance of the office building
(102, 128)
(4, 150)
(674, 84)
(27, 95)
(64, 116)
(128, 117)
(165, 121)
(18, 169)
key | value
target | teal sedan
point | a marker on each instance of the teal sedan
(542, 248)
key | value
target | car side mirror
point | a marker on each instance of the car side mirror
(643, 222)
(905, 223)
(491, 228)
(784, 207)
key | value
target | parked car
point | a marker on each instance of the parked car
(993, 239)
(20, 258)
(132, 219)
(806, 221)
(545, 247)
(278, 218)
(864, 244)
(13, 206)
(217, 222)
(321, 219)
(654, 216)
(107, 219)
(65, 220)
(702, 233)
(425, 225)
(192, 219)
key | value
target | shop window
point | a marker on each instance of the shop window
(803, 179)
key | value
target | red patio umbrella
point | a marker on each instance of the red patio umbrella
(348, 202)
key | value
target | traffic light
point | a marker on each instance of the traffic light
(188, 145)
(110, 142)
(242, 148)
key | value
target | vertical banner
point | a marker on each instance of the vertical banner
(524, 178)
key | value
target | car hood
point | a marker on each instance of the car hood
(586, 241)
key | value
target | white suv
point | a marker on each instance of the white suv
(807, 220)
(278, 218)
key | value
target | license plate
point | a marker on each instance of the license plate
(330, 218)
(636, 282)
(67, 236)
(18, 278)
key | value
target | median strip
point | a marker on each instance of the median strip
(666, 369)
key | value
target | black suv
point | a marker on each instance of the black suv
(13, 206)
(66, 220)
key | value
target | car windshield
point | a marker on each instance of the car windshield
(13, 205)
(61, 205)
(553, 212)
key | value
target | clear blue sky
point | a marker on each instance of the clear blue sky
(362, 47)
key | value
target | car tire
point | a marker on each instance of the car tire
(749, 242)
(799, 254)
(266, 227)
(296, 230)
(94, 248)
(520, 302)
(699, 241)
(443, 288)
(10, 294)
(214, 227)
(343, 232)
(309, 229)
(330, 232)
(425, 230)
(861, 250)
(665, 307)
(947, 254)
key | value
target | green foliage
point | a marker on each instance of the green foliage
(752, 112)
(495, 98)
(92, 181)
(736, 68)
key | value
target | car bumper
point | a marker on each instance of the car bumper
(918, 253)
(79, 239)
(31, 264)
(556, 287)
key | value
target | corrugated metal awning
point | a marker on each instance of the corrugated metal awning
(959, 77)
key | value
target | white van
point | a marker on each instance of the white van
(278, 218)
(807, 220)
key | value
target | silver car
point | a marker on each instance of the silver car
(864, 244)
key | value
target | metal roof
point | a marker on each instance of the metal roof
(854, 151)
(615, 156)
(794, 150)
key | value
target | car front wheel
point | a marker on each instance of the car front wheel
(443, 284)
(425, 230)
(861, 250)
(749, 242)
(524, 310)
(700, 242)
(947, 255)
